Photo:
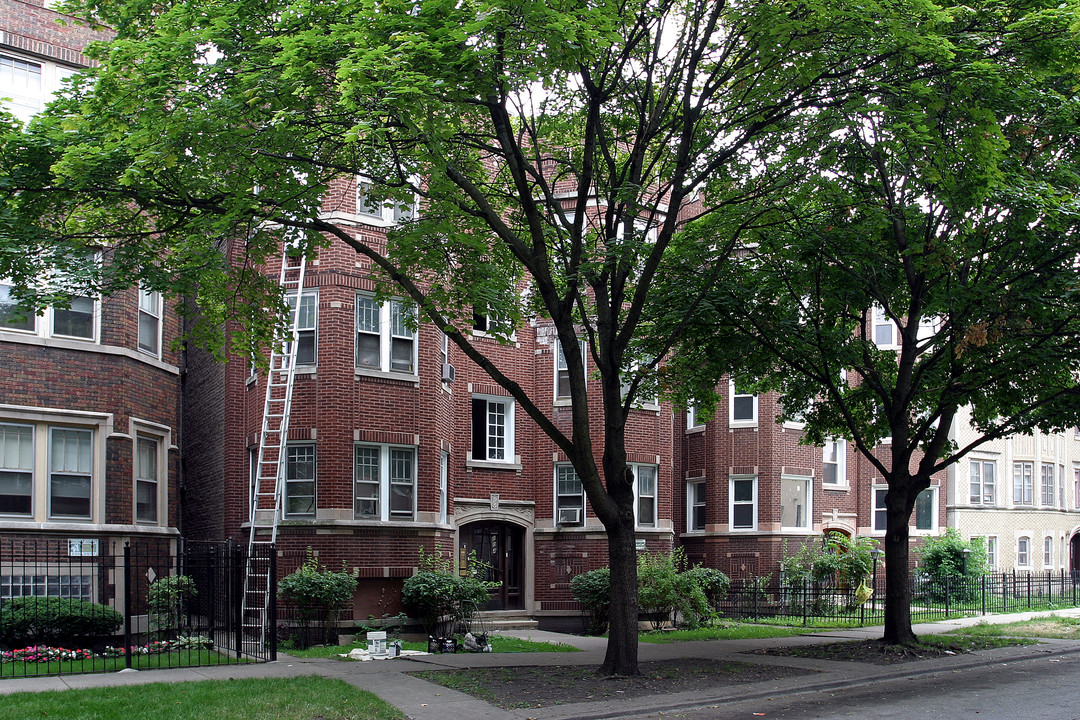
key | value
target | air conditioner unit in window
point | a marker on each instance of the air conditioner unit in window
(569, 516)
(447, 373)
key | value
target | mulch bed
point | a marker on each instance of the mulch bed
(875, 652)
(522, 687)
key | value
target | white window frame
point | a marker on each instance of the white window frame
(1024, 483)
(387, 481)
(879, 510)
(732, 502)
(147, 474)
(444, 485)
(562, 373)
(391, 327)
(642, 494)
(1046, 484)
(17, 460)
(992, 552)
(693, 422)
(309, 326)
(569, 500)
(733, 396)
(1048, 553)
(389, 214)
(640, 402)
(489, 452)
(980, 490)
(808, 509)
(291, 481)
(150, 314)
(43, 324)
(879, 320)
(834, 455)
(45, 580)
(1023, 551)
(696, 501)
(65, 470)
(934, 498)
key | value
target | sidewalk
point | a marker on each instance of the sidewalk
(421, 700)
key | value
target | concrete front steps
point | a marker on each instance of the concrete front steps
(496, 620)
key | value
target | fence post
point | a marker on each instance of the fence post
(127, 605)
(272, 630)
(982, 593)
(805, 593)
(236, 572)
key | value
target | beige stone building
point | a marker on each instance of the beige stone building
(1022, 495)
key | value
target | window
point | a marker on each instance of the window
(881, 515)
(982, 482)
(146, 479)
(926, 510)
(11, 317)
(1048, 553)
(834, 463)
(1061, 487)
(645, 490)
(885, 331)
(305, 327)
(70, 463)
(795, 496)
(562, 374)
(379, 210)
(743, 509)
(991, 552)
(76, 320)
(692, 419)
(385, 340)
(744, 406)
(384, 482)
(1047, 484)
(627, 377)
(300, 481)
(493, 429)
(1023, 552)
(1022, 484)
(1076, 488)
(150, 322)
(79, 587)
(569, 496)
(16, 469)
(20, 81)
(695, 506)
(444, 485)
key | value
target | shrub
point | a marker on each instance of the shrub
(439, 597)
(593, 590)
(51, 620)
(702, 589)
(165, 599)
(659, 591)
(317, 594)
(945, 569)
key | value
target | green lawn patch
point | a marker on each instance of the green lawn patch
(175, 659)
(304, 698)
(733, 631)
(499, 644)
(1064, 628)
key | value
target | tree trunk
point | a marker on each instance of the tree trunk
(622, 646)
(897, 575)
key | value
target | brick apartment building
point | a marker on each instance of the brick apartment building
(389, 451)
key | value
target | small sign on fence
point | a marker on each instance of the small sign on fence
(82, 548)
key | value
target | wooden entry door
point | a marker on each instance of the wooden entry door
(499, 546)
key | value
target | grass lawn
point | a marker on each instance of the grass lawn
(1064, 628)
(499, 644)
(726, 631)
(177, 659)
(303, 698)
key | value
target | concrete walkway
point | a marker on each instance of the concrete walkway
(421, 700)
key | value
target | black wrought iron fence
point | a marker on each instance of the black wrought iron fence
(81, 606)
(806, 601)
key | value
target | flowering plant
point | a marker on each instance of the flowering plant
(43, 654)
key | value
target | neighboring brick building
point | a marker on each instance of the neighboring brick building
(89, 394)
